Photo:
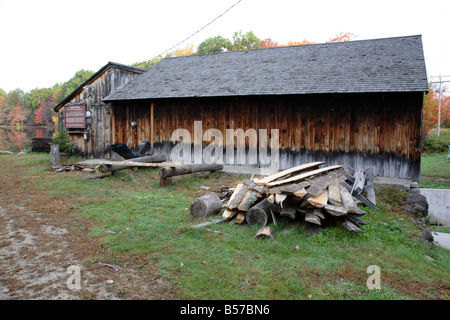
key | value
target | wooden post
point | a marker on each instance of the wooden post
(54, 155)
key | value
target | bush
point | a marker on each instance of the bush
(63, 139)
(436, 144)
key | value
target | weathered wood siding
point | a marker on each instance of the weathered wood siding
(100, 131)
(379, 130)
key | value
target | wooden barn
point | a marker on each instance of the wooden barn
(356, 103)
(86, 117)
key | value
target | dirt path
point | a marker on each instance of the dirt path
(37, 249)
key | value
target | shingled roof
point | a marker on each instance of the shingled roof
(91, 79)
(379, 65)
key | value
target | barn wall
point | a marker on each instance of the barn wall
(381, 131)
(100, 131)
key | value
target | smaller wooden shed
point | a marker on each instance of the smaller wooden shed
(84, 114)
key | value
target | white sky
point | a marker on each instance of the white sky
(44, 42)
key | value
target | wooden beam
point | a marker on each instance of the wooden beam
(303, 175)
(360, 197)
(265, 180)
(138, 164)
(319, 201)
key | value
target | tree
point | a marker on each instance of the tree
(342, 37)
(215, 44)
(62, 138)
(188, 50)
(147, 64)
(246, 41)
(268, 43)
(2, 106)
(299, 43)
(70, 86)
(12, 99)
(33, 99)
(16, 114)
(43, 114)
(431, 110)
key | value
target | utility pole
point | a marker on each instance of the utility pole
(439, 109)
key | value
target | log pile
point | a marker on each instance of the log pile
(311, 195)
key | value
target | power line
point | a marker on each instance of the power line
(206, 25)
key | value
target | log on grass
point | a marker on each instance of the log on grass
(122, 165)
(266, 232)
(167, 173)
(259, 214)
(206, 205)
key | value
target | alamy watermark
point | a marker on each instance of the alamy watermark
(374, 281)
(213, 153)
(74, 280)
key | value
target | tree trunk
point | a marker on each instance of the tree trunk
(259, 214)
(206, 205)
(167, 173)
(116, 167)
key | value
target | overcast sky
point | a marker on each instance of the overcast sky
(44, 42)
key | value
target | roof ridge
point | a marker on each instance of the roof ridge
(297, 46)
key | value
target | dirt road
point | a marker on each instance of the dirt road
(38, 248)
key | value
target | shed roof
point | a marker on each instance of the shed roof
(102, 70)
(378, 65)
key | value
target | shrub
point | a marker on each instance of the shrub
(63, 139)
(436, 144)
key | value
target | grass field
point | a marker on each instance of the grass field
(225, 261)
(435, 171)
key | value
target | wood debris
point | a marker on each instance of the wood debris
(309, 196)
(70, 167)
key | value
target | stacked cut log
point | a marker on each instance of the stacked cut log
(312, 195)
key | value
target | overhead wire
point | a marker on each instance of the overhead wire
(206, 25)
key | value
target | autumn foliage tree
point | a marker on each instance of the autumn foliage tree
(431, 110)
(43, 114)
(16, 115)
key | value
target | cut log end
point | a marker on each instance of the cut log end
(266, 233)
(206, 205)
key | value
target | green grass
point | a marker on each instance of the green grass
(224, 261)
(435, 171)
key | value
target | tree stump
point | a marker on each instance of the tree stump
(206, 205)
